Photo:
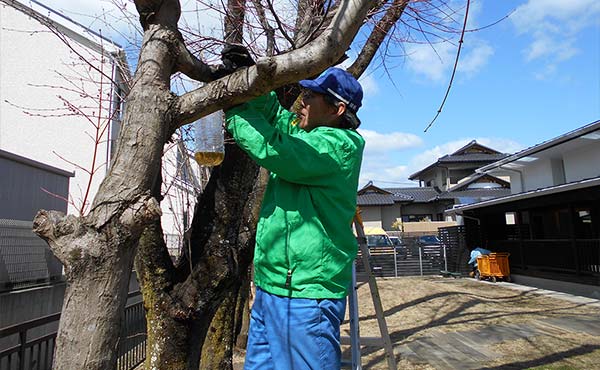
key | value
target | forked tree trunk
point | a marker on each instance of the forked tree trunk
(182, 303)
(97, 250)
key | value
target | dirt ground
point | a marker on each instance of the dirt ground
(417, 307)
(428, 306)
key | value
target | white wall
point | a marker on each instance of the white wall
(31, 60)
(537, 174)
(371, 216)
(179, 196)
(583, 162)
(389, 214)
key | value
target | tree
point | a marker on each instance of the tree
(98, 249)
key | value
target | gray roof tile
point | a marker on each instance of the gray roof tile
(416, 194)
(472, 157)
(375, 199)
(476, 193)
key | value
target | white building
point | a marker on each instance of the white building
(63, 91)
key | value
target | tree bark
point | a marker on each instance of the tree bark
(97, 250)
(217, 351)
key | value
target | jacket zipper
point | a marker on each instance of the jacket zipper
(288, 279)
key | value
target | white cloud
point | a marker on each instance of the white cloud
(385, 176)
(544, 13)
(369, 85)
(435, 62)
(389, 169)
(381, 153)
(476, 57)
(430, 61)
(376, 142)
(554, 26)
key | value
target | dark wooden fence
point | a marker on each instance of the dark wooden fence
(37, 353)
(575, 260)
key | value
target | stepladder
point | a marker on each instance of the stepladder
(355, 339)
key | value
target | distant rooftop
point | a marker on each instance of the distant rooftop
(473, 152)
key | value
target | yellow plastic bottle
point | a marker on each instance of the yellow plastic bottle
(209, 148)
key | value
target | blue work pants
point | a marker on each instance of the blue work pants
(294, 333)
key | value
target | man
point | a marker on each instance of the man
(305, 246)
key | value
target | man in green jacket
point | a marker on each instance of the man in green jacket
(305, 246)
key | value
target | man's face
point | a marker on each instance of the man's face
(316, 111)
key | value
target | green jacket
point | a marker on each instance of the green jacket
(305, 246)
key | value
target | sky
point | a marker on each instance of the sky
(529, 78)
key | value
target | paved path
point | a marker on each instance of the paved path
(470, 349)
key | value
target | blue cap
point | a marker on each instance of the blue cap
(339, 84)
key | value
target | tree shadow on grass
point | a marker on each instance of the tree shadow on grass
(449, 318)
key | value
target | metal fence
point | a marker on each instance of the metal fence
(37, 353)
(412, 259)
(25, 259)
(404, 261)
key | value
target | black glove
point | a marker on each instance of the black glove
(234, 57)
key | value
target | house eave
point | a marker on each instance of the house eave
(542, 146)
(588, 183)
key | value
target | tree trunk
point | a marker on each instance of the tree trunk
(182, 303)
(217, 352)
(92, 313)
(242, 314)
(97, 250)
(167, 340)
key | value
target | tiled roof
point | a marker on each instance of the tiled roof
(427, 194)
(416, 194)
(472, 157)
(478, 194)
(374, 199)
(473, 144)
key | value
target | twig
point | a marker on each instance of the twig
(460, 43)
(280, 25)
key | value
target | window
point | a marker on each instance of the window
(416, 218)
(583, 224)
(510, 218)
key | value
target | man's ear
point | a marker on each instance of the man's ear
(340, 109)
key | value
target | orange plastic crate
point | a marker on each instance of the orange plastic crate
(494, 265)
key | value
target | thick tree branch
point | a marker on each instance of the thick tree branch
(269, 31)
(163, 12)
(273, 72)
(377, 36)
(191, 66)
(234, 21)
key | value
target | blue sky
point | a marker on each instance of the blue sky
(527, 79)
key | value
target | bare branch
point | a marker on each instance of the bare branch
(269, 31)
(279, 24)
(460, 44)
(273, 72)
(377, 36)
